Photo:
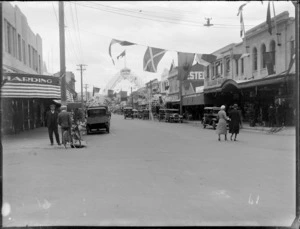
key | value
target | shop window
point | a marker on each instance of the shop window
(29, 55)
(263, 55)
(207, 71)
(254, 59)
(227, 66)
(273, 51)
(24, 52)
(242, 66)
(19, 48)
(236, 67)
(9, 38)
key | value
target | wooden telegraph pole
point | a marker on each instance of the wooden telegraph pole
(81, 69)
(62, 53)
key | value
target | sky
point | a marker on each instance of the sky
(174, 26)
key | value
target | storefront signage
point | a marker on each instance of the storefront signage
(196, 76)
(19, 78)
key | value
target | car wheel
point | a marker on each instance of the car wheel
(204, 126)
(107, 130)
(88, 130)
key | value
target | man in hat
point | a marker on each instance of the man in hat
(64, 120)
(52, 125)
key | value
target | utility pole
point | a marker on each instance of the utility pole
(150, 98)
(62, 53)
(86, 87)
(180, 94)
(131, 98)
(81, 69)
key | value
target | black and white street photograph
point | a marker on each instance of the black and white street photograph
(150, 113)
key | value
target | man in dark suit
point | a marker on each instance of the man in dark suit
(52, 124)
(64, 120)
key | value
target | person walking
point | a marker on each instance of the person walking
(51, 117)
(222, 123)
(64, 120)
(234, 125)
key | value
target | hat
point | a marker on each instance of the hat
(235, 106)
(63, 107)
(222, 107)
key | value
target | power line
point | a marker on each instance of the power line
(79, 32)
(72, 43)
(142, 12)
(182, 22)
(76, 32)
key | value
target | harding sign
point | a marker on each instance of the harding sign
(29, 78)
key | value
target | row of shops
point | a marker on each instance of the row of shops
(254, 98)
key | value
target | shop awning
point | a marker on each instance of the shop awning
(30, 86)
(264, 81)
(196, 99)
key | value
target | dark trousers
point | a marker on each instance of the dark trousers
(55, 130)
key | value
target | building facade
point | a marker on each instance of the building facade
(26, 93)
(22, 49)
(254, 73)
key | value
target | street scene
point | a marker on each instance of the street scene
(140, 179)
(150, 113)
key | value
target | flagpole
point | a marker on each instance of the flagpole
(277, 34)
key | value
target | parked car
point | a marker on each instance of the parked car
(97, 118)
(172, 115)
(145, 114)
(128, 112)
(162, 115)
(135, 113)
(210, 117)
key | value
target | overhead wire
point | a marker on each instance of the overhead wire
(72, 46)
(76, 33)
(129, 13)
(79, 32)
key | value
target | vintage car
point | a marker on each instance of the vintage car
(140, 114)
(97, 118)
(172, 115)
(210, 116)
(128, 112)
(135, 113)
(145, 114)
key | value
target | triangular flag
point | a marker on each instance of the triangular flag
(152, 57)
(205, 59)
(122, 54)
(269, 22)
(185, 62)
(114, 41)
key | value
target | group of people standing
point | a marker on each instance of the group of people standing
(55, 119)
(235, 122)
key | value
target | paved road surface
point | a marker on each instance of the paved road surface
(150, 173)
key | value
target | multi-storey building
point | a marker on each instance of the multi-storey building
(22, 49)
(26, 93)
(255, 73)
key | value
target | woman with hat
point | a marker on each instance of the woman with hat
(236, 121)
(222, 124)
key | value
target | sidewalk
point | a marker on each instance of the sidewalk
(38, 137)
(287, 131)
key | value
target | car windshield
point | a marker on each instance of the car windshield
(96, 112)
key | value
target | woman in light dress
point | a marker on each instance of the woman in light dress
(222, 124)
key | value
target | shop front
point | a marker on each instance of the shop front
(258, 98)
(25, 99)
